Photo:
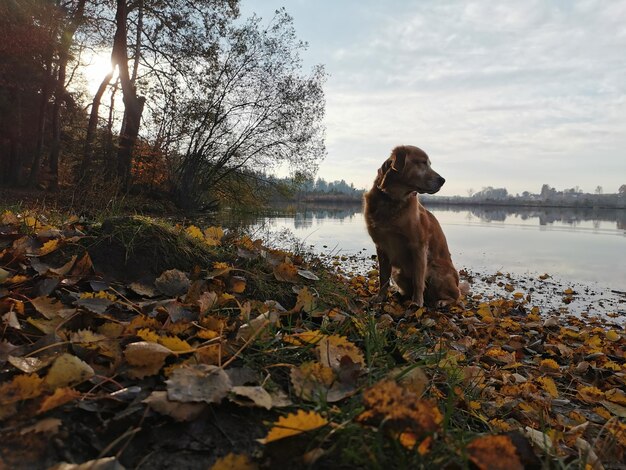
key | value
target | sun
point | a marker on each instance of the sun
(96, 64)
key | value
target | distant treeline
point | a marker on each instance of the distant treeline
(549, 196)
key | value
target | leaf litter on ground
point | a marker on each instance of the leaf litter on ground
(304, 349)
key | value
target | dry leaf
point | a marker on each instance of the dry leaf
(60, 397)
(49, 426)
(159, 402)
(286, 272)
(67, 370)
(234, 462)
(147, 358)
(494, 453)
(332, 349)
(22, 387)
(294, 424)
(251, 396)
(198, 382)
(173, 283)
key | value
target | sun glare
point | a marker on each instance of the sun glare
(97, 65)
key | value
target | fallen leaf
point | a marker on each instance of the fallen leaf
(197, 383)
(67, 370)
(29, 364)
(146, 358)
(332, 349)
(60, 397)
(234, 462)
(308, 275)
(286, 272)
(494, 453)
(49, 426)
(159, 402)
(47, 306)
(251, 396)
(294, 424)
(22, 387)
(172, 282)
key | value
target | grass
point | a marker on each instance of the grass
(391, 348)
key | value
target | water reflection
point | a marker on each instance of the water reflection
(307, 215)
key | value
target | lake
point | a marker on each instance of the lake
(578, 247)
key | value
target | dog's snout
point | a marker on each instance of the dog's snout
(441, 180)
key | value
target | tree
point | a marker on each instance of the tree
(599, 190)
(622, 190)
(248, 107)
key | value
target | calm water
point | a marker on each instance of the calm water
(576, 245)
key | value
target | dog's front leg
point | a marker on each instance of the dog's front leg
(419, 275)
(384, 274)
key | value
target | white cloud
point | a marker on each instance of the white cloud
(505, 93)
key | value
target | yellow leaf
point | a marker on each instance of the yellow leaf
(174, 343)
(549, 365)
(22, 387)
(549, 386)
(148, 335)
(294, 424)
(234, 462)
(612, 335)
(590, 394)
(49, 247)
(306, 337)
(67, 370)
(61, 396)
(213, 235)
(306, 301)
(194, 232)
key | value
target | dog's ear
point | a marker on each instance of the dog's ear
(398, 158)
(382, 173)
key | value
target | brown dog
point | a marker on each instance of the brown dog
(409, 241)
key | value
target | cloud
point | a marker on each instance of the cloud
(505, 93)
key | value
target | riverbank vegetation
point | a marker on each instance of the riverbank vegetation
(151, 345)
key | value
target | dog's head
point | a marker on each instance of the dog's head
(408, 170)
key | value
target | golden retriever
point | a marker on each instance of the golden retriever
(410, 244)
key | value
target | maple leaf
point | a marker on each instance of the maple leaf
(286, 272)
(494, 453)
(399, 409)
(294, 424)
(22, 387)
(234, 462)
(194, 232)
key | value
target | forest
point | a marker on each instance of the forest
(196, 98)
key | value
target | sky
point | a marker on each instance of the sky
(504, 93)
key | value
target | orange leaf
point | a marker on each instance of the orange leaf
(494, 453)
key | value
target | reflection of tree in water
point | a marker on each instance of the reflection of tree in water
(546, 215)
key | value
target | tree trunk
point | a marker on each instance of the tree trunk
(92, 127)
(59, 94)
(133, 104)
(41, 123)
